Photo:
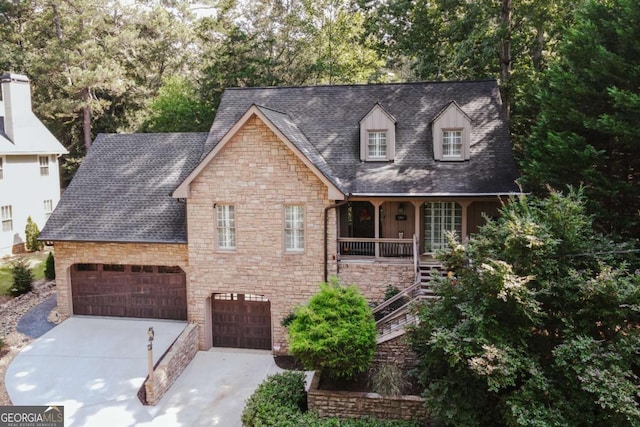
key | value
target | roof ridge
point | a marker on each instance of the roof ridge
(425, 82)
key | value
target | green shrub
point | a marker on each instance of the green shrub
(22, 277)
(542, 324)
(280, 401)
(335, 334)
(280, 397)
(50, 267)
(32, 232)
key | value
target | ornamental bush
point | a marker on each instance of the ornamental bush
(31, 232)
(50, 267)
(335, 333)
(22, 277)
(541, 324)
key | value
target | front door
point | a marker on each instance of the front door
(438, 219)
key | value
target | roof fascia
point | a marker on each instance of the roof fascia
(182, 191)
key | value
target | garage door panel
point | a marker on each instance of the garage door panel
(129, 291)
(241, 323)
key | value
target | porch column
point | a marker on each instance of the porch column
(376, 217)
(416, 216)
(465, 234)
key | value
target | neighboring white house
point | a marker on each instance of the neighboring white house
(29, 172)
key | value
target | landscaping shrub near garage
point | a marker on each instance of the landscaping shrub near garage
(281, 401)
(22, 277)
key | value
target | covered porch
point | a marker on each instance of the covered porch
(407, 229)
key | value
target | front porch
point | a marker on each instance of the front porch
(407, 230)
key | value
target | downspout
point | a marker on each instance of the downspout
(326, 231)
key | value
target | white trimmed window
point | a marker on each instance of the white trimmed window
(377, 145)
(452, 143)
(48, 208)
(226, 223)
(440, 218)
(44, 165)
(6, 215)
(294, 228)
(1, 168)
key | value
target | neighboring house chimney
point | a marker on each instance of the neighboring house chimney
(16, 97)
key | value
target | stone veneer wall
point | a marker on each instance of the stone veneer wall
(69, 253)
(395, 351)
(259, 175)
(344, 404)
(172, 364)
(374, 277)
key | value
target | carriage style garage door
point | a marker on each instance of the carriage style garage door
(241, 321)
(147, 291)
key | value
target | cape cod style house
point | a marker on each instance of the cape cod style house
(235, 227)
(29, 173)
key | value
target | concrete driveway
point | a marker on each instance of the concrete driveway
(94, 366)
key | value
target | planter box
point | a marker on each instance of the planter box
(346, 404)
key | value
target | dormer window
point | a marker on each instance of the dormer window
(451, 134)
(452, 144)
(377, 145)
(377, 135)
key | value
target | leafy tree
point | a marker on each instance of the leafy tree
(335, 333)
(22, 277)
(458, 39)
(50, 267)
(31, 232)
(177, 108)
(587, 132)
(540, 324)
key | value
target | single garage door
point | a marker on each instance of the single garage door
(147, 291)
(241, 321)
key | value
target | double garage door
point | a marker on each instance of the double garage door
(146, 291)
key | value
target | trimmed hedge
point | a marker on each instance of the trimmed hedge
(281, 401)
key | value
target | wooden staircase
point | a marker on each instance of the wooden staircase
(395, 313)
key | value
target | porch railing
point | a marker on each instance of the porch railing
(379, 248)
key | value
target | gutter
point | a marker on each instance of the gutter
(326, 231)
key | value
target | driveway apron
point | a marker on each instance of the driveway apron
(95, 366)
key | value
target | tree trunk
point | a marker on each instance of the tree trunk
(86, 118)
(505, 56)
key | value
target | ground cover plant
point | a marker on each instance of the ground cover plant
(539, 326)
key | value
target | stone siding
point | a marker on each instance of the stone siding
(395, 351)
(374, 277)
(172, 364)
(343, 404)
(259, 175)
(70, 253)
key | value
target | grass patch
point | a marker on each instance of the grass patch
(37, 262)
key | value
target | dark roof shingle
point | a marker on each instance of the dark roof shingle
(122, 190)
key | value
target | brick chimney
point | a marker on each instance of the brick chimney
(16, 97)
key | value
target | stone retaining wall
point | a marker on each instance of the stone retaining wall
(397, 352)
(171, 365)
(345, 404)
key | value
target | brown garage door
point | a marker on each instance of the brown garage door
(148, 291)
(241, 321)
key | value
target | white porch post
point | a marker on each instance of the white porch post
(376, 217)
(465, 234)
(416, 215)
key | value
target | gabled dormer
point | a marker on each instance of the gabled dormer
(377, 135)
(451, 134)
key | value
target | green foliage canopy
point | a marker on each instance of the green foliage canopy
(532, 325)
(31, 232)
(587, 132)
(335, 333)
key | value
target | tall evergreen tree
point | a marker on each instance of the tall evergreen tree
(587, 132)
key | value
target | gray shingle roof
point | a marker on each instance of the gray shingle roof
(122, 190)
(328, 118)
